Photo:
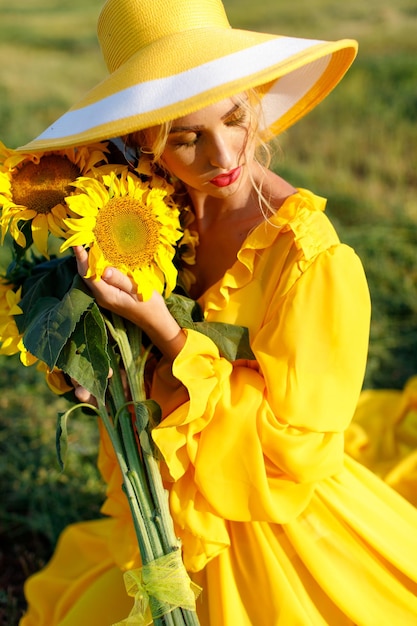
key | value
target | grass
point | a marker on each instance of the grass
(357, 149)
(52, 59)
(37, 499)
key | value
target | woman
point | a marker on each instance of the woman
(277, 525)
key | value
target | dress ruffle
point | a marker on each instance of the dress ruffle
(296, 214)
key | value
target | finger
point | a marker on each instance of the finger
(81, 256)
(83, 395)
(117, 279)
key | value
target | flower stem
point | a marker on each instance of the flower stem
(140, 528)
(142, 479)
(130, 345)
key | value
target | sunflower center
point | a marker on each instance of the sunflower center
(127, 233)
(41, 186)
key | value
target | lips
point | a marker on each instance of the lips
(224, 180)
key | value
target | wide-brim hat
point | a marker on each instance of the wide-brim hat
(169, 58)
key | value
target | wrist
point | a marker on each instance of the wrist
(166, 334)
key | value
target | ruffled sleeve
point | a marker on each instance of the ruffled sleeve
(254, 437)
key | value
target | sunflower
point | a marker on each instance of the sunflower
(12, 342)
(148, 169)
(186, 247)
(33, 188)
(55, 379)
(10, 338)
(128, 225)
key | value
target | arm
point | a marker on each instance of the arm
(253, 440)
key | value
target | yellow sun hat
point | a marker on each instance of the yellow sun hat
(169, 58)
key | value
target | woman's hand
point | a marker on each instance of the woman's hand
(82, 394)
(117, 293)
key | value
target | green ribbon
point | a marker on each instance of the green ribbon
(158, 588)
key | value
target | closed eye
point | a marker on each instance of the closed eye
(237, 118)
(184, 140)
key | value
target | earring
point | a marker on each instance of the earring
(145, 150)
(130, 154)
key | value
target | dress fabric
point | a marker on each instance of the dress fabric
(383, 436)
(278, 524)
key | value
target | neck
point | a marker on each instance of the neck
(209, 208)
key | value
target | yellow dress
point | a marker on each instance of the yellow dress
(278, 525)
(383, 436)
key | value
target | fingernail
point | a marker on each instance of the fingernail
(108, 273)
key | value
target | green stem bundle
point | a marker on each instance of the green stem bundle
(142, 482)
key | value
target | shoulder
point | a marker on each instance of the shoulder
(303, 214)
(301, 211)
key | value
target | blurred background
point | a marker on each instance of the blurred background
(358, 149)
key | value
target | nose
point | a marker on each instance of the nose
(221, 152)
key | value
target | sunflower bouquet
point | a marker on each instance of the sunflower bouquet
(127, 218)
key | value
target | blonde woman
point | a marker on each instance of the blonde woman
(277, 524)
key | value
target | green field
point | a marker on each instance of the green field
(358, 149)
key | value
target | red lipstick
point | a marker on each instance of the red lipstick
(224, 180)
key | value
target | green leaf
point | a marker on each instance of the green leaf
(154, 412)
(51, 323)
(61, 434)
(231, 340)
(148, 415)
(50, 279)
(185, 310)
(62, 438)
(84, 357)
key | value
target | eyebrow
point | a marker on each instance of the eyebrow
(190, 129)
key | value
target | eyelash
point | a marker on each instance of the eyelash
(237, 119)
(187, 144)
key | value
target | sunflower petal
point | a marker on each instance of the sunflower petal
(40, 233)
(81, 204)
(77, 239)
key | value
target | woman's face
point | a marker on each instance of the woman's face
(211, 150)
